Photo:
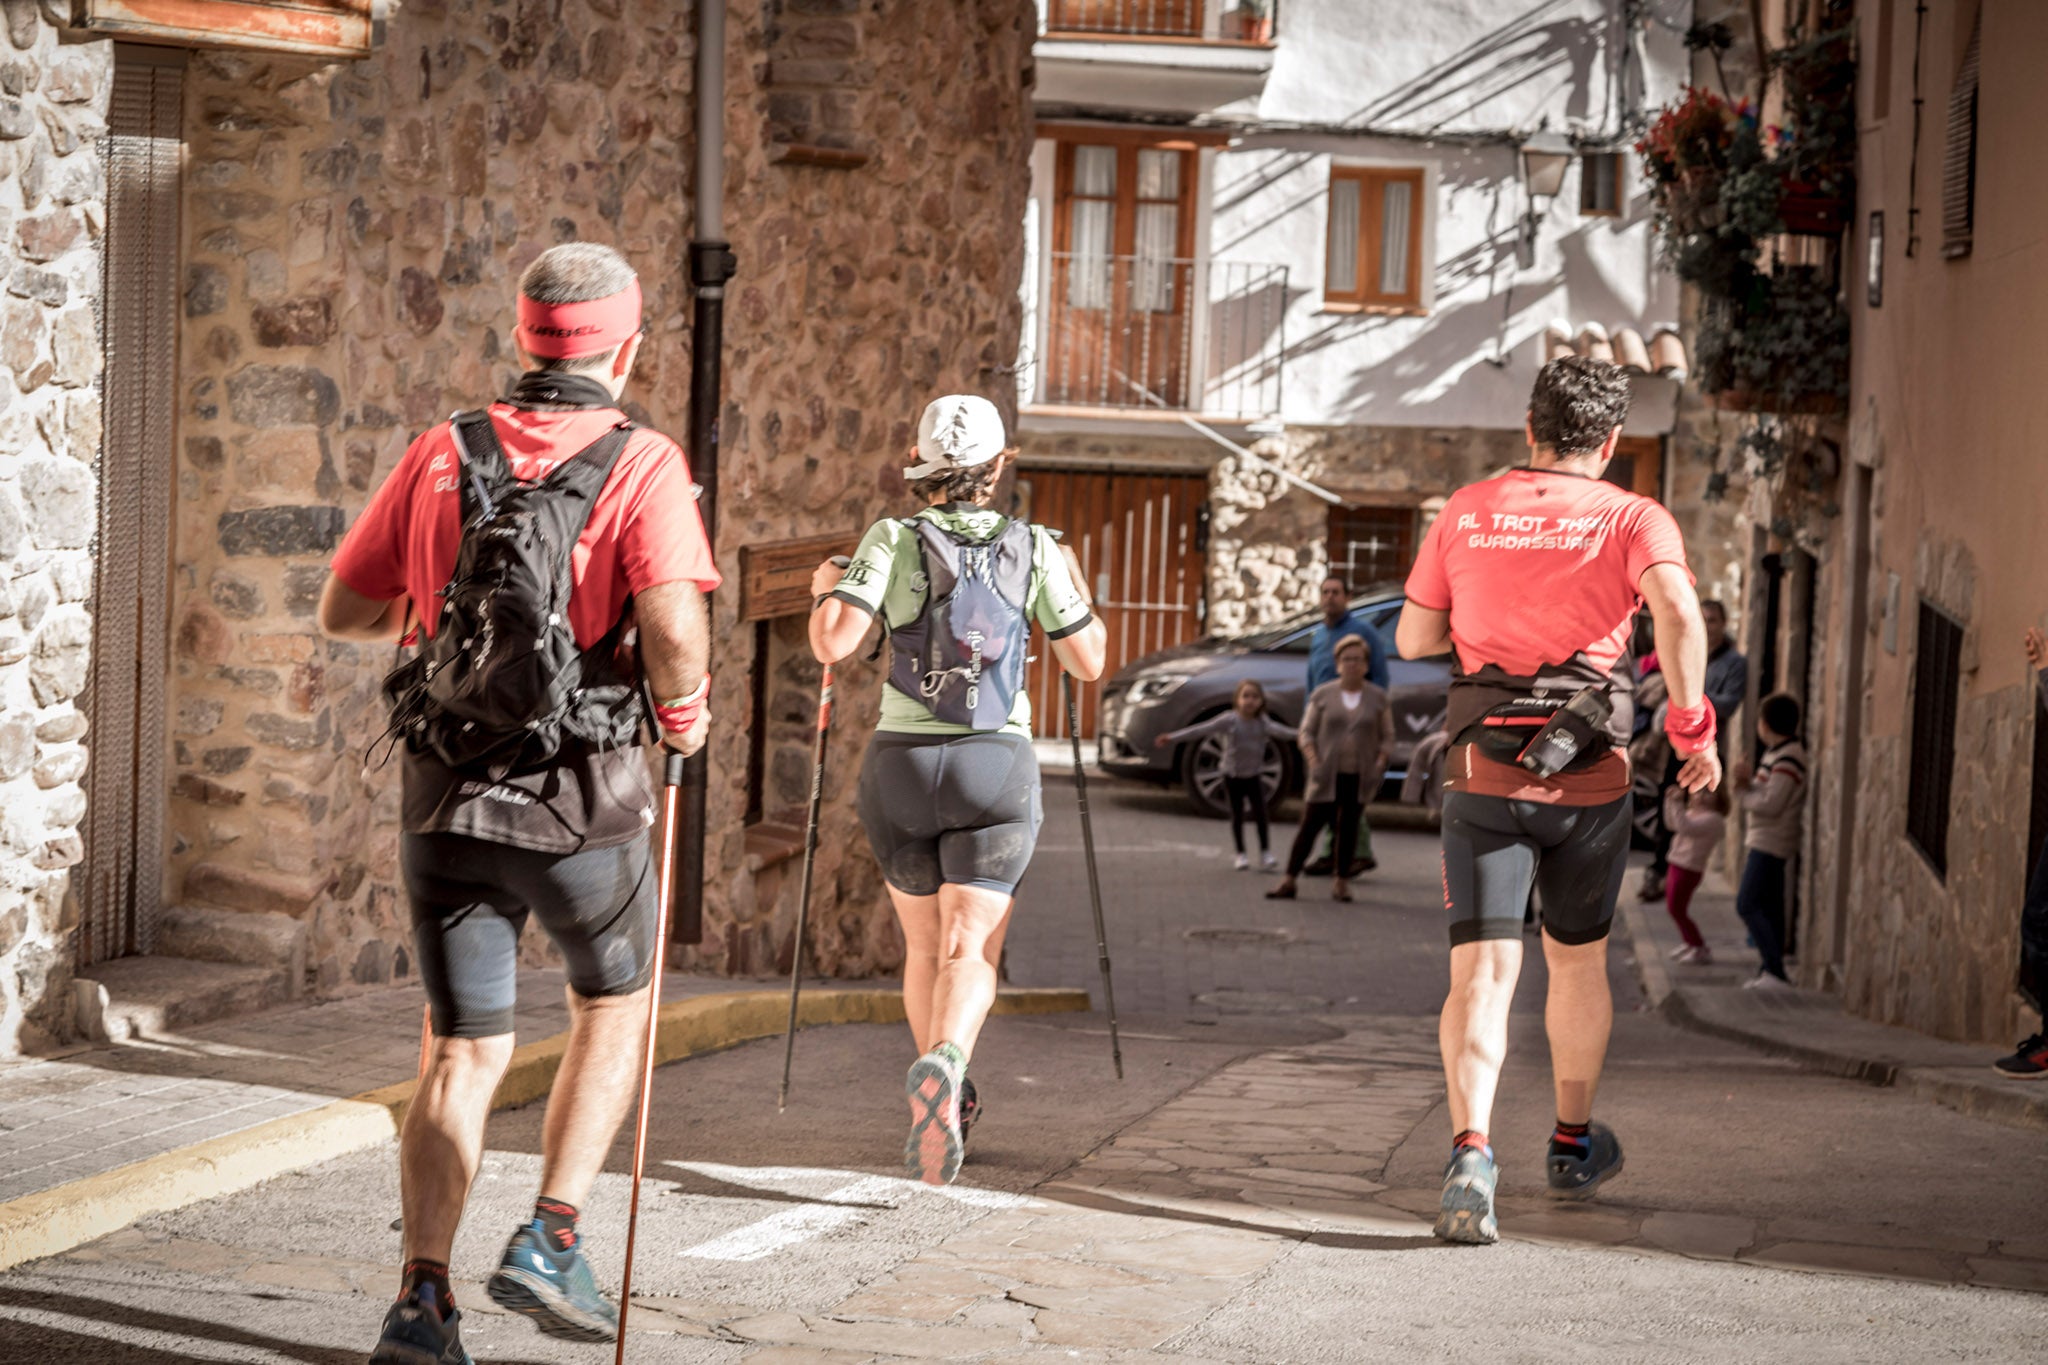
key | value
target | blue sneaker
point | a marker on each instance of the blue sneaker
(1467, 1214)
(415, 1333)
(1577, 1171)
(554, 1288)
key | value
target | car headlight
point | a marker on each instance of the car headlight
(1156, 688)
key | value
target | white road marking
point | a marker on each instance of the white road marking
(842, 1207)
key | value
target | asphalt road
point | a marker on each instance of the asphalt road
(1255, 1190)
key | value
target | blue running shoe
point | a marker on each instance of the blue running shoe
(1467, 1214)
(1576, 1171)
(415, 1333)
(554, 1288)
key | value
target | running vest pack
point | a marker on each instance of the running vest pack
(501, 686)
(964, 654)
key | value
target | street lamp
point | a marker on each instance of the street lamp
(1545, 158)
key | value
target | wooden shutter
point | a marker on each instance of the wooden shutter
(1959, 157)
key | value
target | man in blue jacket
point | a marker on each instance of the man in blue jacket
(1339, 621)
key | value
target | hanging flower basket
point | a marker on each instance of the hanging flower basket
(1808, 212)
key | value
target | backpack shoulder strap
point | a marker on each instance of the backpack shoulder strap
(583, 474)
(484, 471)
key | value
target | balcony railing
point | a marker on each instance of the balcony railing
(1154, 333)
(1214, 19)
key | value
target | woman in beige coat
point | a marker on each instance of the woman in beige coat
(1347, 738)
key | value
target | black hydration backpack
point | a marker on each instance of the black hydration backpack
(501, 685)
(964, 655)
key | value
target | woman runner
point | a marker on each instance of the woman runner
(949, 791)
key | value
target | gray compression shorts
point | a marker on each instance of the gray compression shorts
(470, 899)
(1496, 851)
(960, 810)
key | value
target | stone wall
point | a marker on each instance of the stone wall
(354, 233)
(52, 210)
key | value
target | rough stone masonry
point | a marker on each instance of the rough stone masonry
(353, 234)
(52, 211)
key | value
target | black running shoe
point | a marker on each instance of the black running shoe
(1320, 867)
(416, 1334)
(970, 1108)
(554, 1288)
(1467, 1212)
(1575, 1171)
(2029, 1061)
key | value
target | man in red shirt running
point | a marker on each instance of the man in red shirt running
(1535, 579)
(566, 841)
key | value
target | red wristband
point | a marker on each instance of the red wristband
(678, 716)
(1691, 729)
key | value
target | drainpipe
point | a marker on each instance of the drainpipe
(711, 264)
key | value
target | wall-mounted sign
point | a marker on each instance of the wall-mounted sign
(775, 579)
(323, 28)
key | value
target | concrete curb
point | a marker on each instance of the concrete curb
(1957, 1088)
(55, 1220)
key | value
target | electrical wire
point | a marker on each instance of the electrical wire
(1913, 160)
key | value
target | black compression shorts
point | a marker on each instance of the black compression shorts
(470, 899)
(1496, 851)
(958, 810)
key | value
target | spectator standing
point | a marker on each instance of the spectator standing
(1774, 799)
(1697, 820)
(1347, 736)
(1727, 680)
(1245, 729)
(1340, 623)
(2029, 1061)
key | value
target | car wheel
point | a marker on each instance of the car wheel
(1202, 776)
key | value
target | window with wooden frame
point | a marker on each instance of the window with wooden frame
(1959, 155)
(1374, 254)
(1602, 189)
(1369, 545)
(1122, 270)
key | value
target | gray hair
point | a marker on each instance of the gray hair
(576, 272)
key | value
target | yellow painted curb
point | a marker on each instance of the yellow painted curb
(55, 1220)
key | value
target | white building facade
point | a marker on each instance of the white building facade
(1291, 269)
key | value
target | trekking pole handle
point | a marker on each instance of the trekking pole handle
(672, 773)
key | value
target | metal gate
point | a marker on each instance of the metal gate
(1139, 540)
(122, 892)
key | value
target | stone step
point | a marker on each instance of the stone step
(150, 997)
(221, 887)
(250, 937)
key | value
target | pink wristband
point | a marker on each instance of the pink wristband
(1691, 729)
(677, 717)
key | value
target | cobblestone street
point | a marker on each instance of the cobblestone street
(1257, 1190)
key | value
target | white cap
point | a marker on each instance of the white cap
(958, 431)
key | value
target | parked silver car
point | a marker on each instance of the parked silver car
(1176, 687)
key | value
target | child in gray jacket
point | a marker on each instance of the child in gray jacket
(1245, 728)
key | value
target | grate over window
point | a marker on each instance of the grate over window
(1959, 155)
(1937, 673)
(122, 888)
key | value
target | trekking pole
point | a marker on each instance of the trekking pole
(426, 1036)
(671, 793)
(803, 900)
(1116, 1050)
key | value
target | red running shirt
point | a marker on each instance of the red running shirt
(644, 530)
(1539, 570)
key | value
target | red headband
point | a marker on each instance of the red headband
(565, 331)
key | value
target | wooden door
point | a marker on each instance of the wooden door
(1638, 465)
(1135, 535)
